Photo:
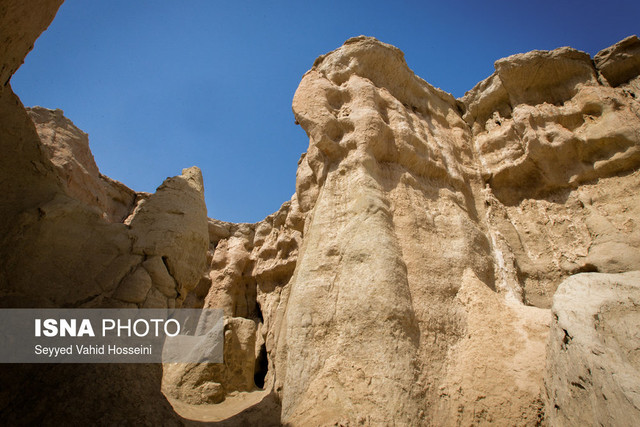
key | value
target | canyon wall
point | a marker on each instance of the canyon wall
(71, 237)
(443, 261)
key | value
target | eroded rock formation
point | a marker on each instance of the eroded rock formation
(436, 232)
(409, 281)
(396, 244)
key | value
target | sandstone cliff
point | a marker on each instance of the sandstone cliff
(443, 261)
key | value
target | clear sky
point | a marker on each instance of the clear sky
(162, 85)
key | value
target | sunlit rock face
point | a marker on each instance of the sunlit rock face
(437, 230)
(410, 279)
(398, 247)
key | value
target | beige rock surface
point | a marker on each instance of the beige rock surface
(563, 131)
(561, 167)
(593, 363)
(249, 267)
(407, 282)
(172, 224)
(494, 370)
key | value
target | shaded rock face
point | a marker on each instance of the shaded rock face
(149, 257)
(67, 252)
(71, 237)
(408, 281)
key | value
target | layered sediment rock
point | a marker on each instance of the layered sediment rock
(410, 280)
(559, 151)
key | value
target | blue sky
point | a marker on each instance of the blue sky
(163, 85)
